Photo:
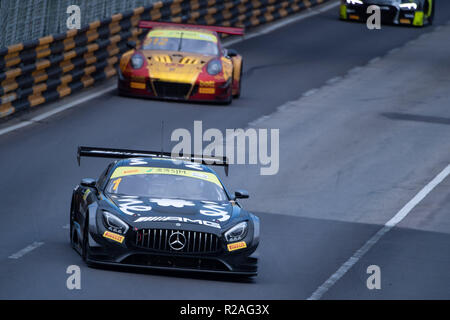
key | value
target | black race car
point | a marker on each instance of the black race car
(149, 209)
(407, 12)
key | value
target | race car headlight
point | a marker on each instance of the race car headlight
(408, 6)
(114, 224)
(354, 2)
(214, 67)
(137, 61)
(236, 233)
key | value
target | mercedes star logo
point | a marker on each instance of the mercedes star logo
(177, 240)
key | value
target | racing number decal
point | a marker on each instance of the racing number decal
(158, 41)
(116, 184)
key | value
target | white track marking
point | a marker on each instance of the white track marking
(26, 250)
(264, 30)
(374, 239)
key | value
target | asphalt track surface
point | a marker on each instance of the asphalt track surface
(345, 169)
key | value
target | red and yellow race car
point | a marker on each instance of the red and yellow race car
(182, 62)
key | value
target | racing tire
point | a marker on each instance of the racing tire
(229, 100)
(71, 233)
(71, 227)
(238, 95)
(431, 17)
(85, 246)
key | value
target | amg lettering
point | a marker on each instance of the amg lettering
(179, 219)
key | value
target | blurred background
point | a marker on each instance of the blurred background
(22, 20)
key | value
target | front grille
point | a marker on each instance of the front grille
(194, 242)
(387, 15)
(172, 89)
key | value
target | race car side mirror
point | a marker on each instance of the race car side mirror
(89, 183)
(241, 194)
(131, 44)
(232, 53)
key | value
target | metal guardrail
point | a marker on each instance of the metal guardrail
(49, 68)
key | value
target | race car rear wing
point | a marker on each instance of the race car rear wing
(219, 29)
(125, 154)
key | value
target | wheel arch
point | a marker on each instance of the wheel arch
(238, 63)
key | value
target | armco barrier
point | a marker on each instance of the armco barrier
(55, 66)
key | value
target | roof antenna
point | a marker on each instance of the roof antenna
(162, 137)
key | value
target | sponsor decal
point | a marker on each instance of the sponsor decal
(178, 219)
(170, 33)
(129, 204)
(137, 85)
(236, 246)
(86, 194)
(177, 203)
(128, 171)
(206, 90)
(113, 236)
(206, 84)
(213, 209)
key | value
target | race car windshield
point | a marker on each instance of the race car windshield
(167, 186)
(183, 41)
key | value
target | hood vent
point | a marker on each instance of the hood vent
(163, 58)
(189, 60)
